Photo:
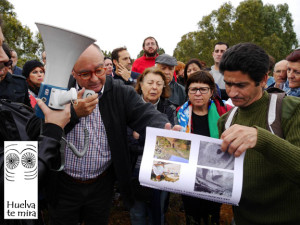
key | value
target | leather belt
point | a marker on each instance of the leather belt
(89, 181)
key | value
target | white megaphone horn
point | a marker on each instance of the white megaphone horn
(63, 48)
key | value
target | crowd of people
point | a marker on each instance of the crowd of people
(159, 91)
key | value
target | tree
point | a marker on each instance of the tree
(19, 37)
(106, 53)
(265, 25)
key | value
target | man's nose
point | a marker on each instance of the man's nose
(3, 56)
(94, 77)
(232, 91)
(290, 74)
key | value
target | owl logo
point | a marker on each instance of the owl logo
(20, 162)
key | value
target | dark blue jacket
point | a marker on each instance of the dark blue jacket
(17, 70)
(15, 89)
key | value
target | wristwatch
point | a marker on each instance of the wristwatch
(130, 79)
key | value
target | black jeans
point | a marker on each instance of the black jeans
(90, 202)
(197, 209)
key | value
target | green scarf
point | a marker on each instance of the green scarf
(213, 117)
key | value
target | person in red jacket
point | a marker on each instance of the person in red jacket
(150, 47)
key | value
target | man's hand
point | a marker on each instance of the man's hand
(168, 126)
(85, 106)
(123, 72)
(136, 135)
(58, 117)
(237, 139)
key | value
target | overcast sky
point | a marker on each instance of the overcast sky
(116, 23)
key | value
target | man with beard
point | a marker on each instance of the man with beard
(219, 50)
(150, 47)
(122, 61)
(12, 87)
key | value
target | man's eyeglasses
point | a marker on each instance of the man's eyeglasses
(203, 90)
(99, 72)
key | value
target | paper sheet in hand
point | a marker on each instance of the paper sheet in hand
(191, 164)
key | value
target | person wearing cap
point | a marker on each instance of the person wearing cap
(12, 87)
(167, 64)
(34, 72)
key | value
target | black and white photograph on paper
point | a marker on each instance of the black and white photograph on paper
(214, 182)
(210, 155)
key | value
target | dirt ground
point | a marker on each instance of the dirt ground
(174, 216)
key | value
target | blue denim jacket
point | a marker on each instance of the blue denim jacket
(291, 91)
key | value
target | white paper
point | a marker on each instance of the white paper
(191, 164)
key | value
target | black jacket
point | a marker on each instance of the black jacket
(120, 106)
(137, 146)
(178, 96)
(12, 127)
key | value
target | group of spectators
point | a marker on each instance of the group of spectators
(158, 91)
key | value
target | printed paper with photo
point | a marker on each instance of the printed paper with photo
(191, 164)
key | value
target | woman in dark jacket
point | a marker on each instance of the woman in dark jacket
(153, 88)
(34, 72)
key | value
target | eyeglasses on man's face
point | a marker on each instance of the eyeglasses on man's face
(203, 90)
(99, 72)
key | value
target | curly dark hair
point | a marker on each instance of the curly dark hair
(248, 58)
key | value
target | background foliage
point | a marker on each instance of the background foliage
(18, 37)
(265, 25)
(269, 26)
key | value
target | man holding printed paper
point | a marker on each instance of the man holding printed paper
(271, 193)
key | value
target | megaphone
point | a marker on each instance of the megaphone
(63, 48)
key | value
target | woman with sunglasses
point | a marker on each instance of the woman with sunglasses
(199, 115)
